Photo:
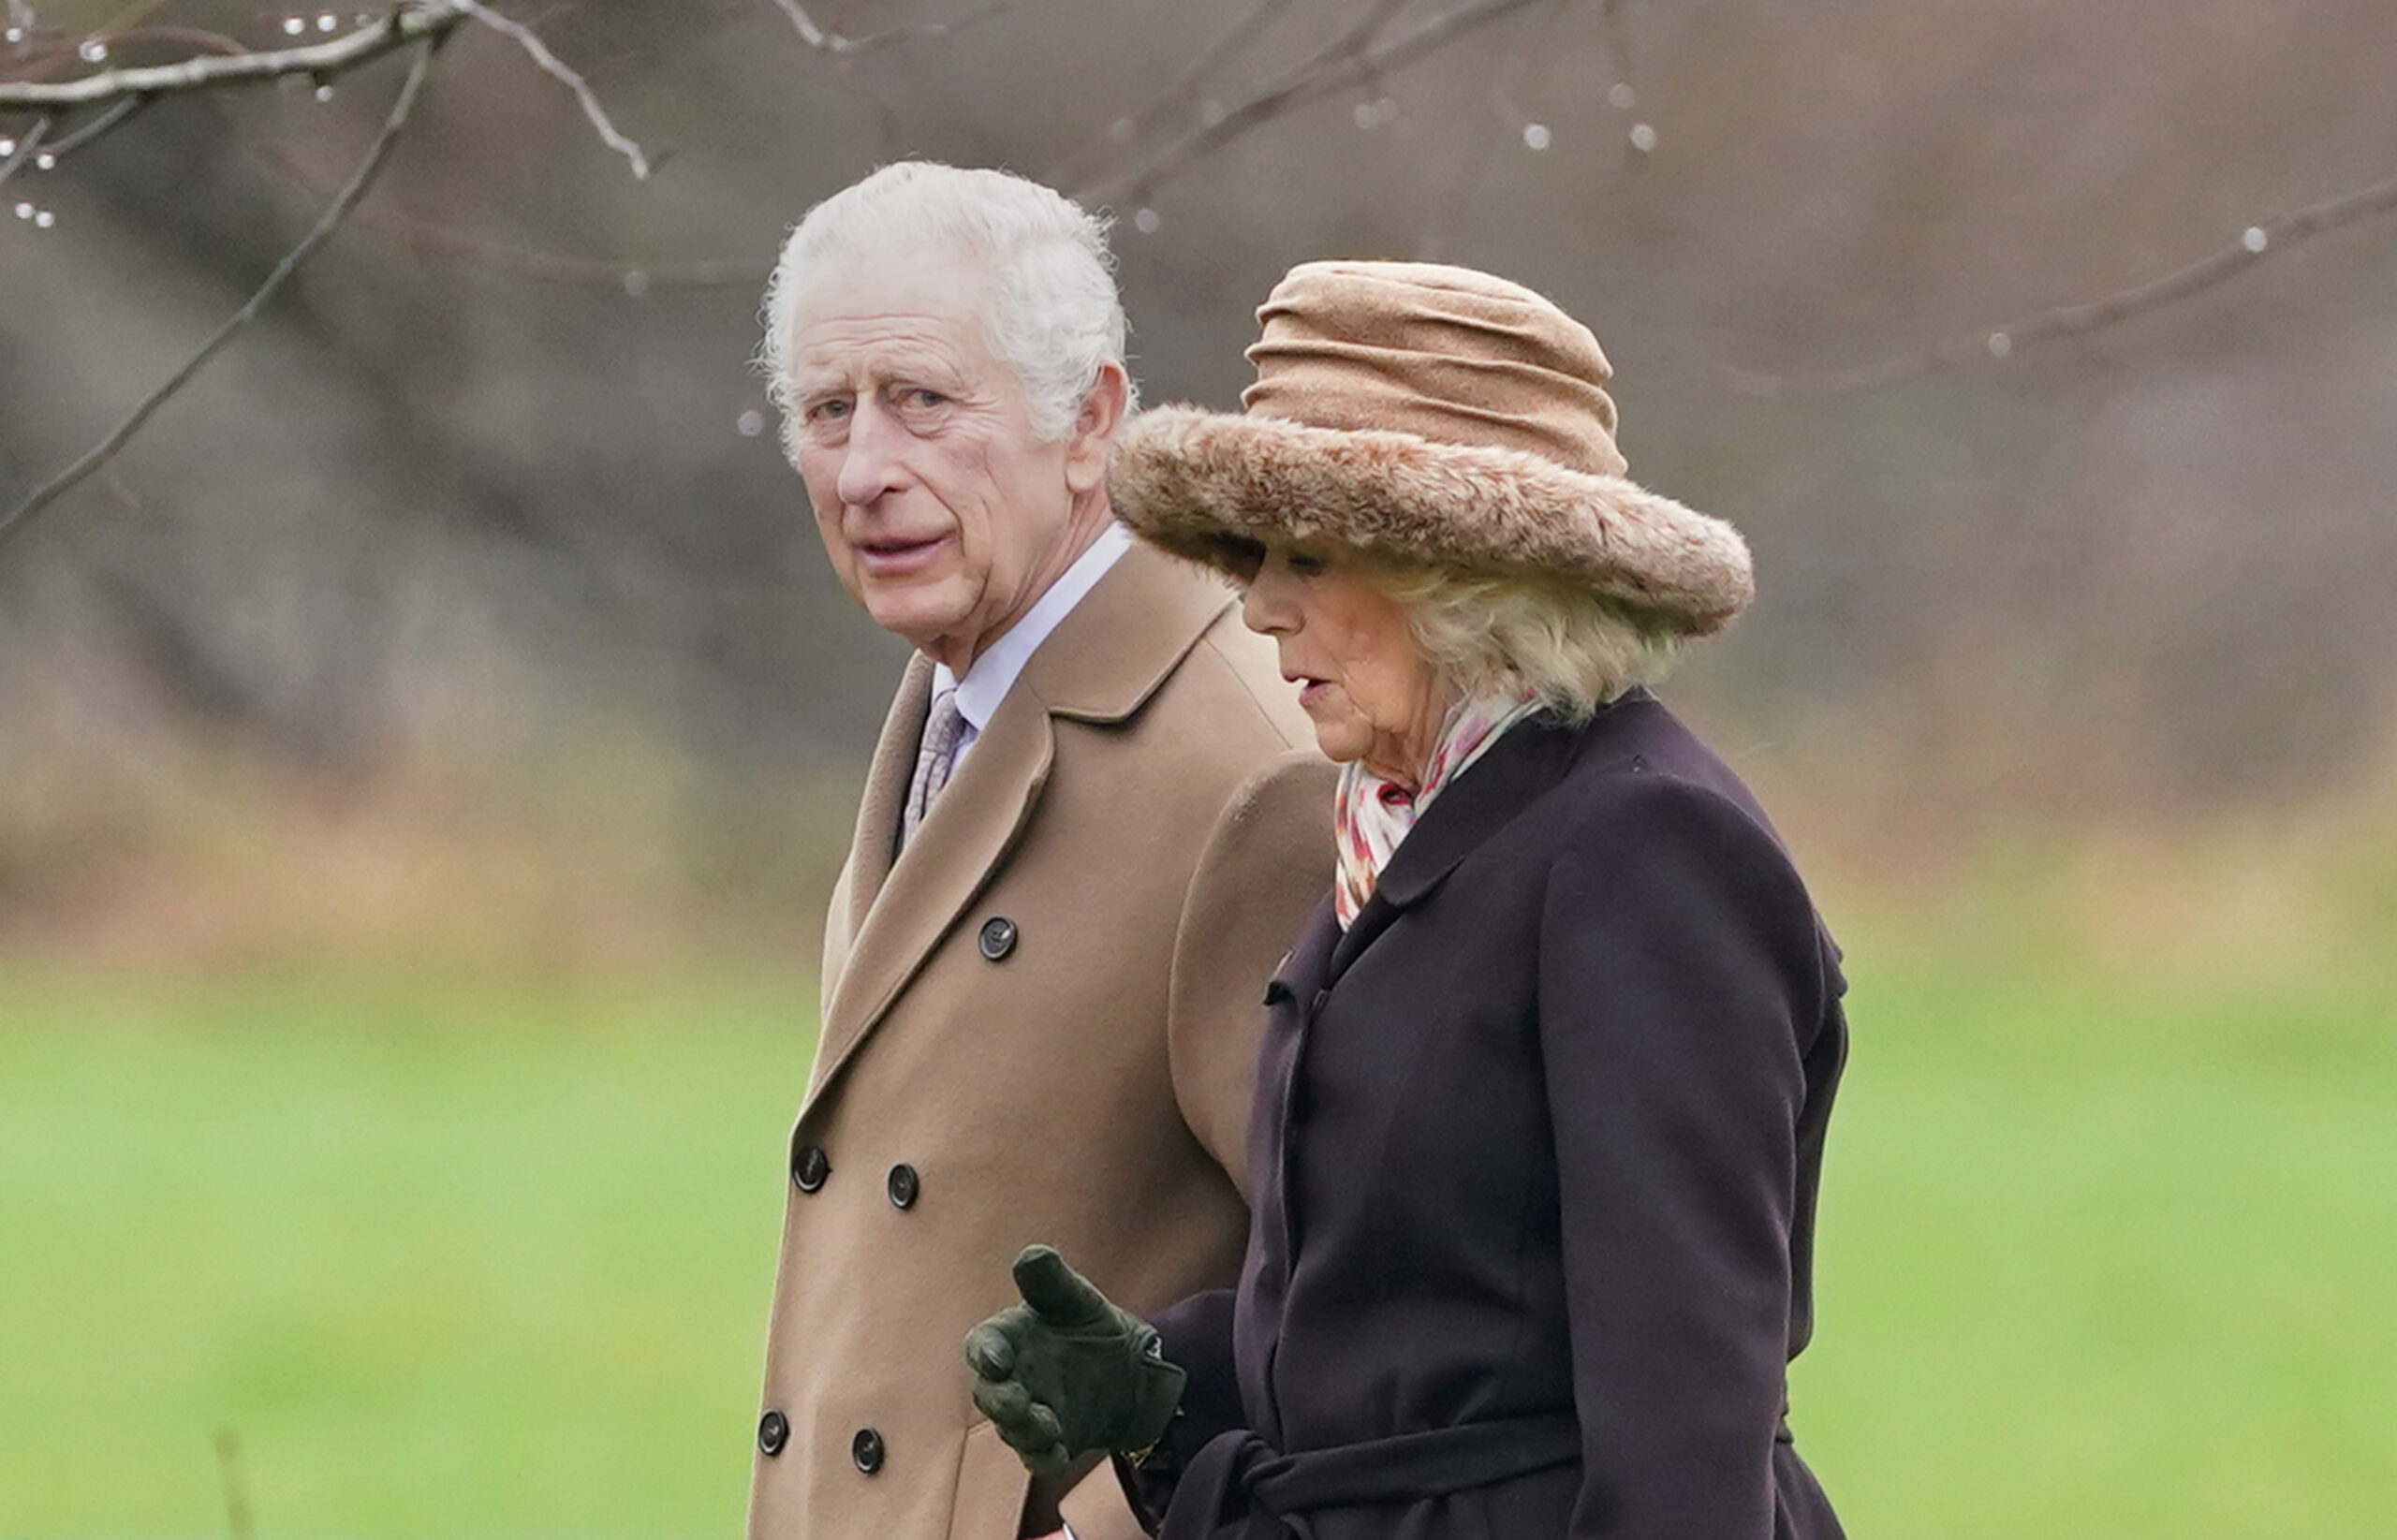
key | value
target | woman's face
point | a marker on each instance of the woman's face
(1362, 680)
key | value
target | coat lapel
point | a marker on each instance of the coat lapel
(1101, 663)
(1528, 759)
(876, 839)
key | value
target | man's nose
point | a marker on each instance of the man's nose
(871, 461)
(1266, 608)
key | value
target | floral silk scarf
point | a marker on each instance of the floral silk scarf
(1373, 815)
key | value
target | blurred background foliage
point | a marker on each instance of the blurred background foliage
(423, 752)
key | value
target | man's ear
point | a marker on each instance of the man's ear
(1094, 428)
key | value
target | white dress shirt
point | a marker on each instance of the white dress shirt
(990, 677)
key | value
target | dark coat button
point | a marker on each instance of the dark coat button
(865, 1450)
(809, 1166)
(904, 1186)
(774, 1431)
(998, 937)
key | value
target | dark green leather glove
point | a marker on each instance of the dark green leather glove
(1066, 1371)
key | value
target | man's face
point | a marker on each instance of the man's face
(942, 511)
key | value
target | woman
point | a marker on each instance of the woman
(1541, 1099)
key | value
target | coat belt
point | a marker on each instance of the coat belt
(1281, 1489)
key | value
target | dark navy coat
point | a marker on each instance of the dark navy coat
(1534, 1156)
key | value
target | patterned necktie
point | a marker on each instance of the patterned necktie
(933, 760)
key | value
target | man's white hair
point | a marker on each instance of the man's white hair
(1051, 314)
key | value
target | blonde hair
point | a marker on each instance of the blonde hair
(1569, 648)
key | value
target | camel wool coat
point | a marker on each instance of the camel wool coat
(1039, 1023)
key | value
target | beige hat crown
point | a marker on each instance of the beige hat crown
(1433, 413)
(1451, 354)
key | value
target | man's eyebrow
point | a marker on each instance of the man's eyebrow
(924, 364)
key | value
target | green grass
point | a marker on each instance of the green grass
(452, 1261)
(2102, 1256)
(2110, 1257)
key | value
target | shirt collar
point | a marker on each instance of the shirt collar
(991, 676)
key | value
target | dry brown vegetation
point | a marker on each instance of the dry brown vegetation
(463, 606)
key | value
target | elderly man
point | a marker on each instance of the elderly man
(1090, 827)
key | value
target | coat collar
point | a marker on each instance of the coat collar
(1100, 666)
(1125, 639)
(1529, 758)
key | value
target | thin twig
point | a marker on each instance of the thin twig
(558, 69)
(448, 242)
(1124, 130)
(27, 144)
(127, 108)
(1344, 64)
(360, 180)
(406, 25)
(113, 118)
(824, 41)
(1527, 66)
(2255, 244)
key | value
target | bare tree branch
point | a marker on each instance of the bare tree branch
(26, 145)
(360, 180)
(558, 69)
(1123, 131)
(448, 242)
(824, 41)
(2255, 244)
(407, 24)
(1528, 67)
(112, 119)
(1354, 58)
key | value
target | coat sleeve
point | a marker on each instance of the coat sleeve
(1197, 1334)
(1678, 977)
(1266, 864)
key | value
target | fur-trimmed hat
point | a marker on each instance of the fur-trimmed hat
(1432, 413)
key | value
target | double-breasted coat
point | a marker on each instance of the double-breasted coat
(1536, 1151)
(1040, 1020)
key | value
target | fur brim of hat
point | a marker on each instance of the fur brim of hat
(1212, 486)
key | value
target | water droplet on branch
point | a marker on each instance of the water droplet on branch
(1643, 137)
(2255, 239)
(327, 22)
(750, 423)
(93, 51)
(324, 93)
(1146, 221)
(1536, 135)
(1621, 96)
(2000, 346)
(46, 160)
(44, 219)
(293, 26)
(636, 284)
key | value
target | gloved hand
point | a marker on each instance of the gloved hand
(1066, 1371)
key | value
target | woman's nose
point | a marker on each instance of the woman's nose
(1267, 609)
